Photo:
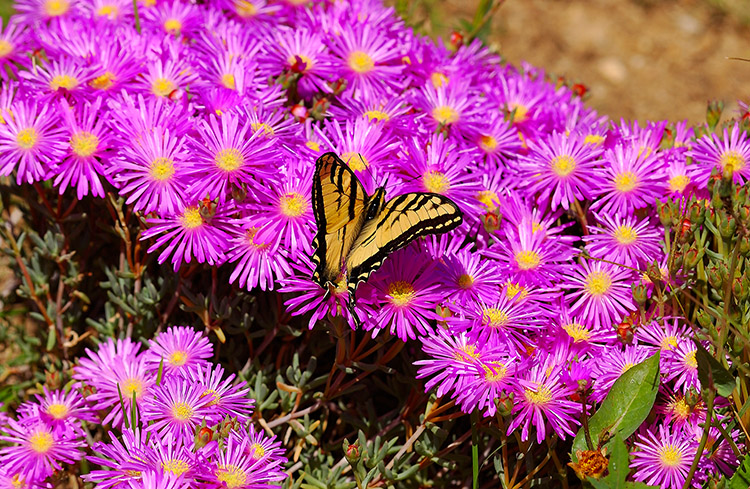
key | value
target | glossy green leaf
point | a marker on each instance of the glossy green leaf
(741, 478)
(711, 372)
(627, 404)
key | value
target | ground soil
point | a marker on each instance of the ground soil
(640, 59)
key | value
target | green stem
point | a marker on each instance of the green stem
(704, 440)
(474, 450)
(137, 17)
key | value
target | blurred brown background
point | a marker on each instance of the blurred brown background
(640, 59)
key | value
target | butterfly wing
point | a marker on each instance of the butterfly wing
(339, 200)
(402, 220)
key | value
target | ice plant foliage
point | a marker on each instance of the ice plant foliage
(207, 120)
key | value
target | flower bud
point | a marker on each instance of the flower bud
(713, 113)
(456, 39)
(203, 436)
(52, 379)
(697, 213)
(727, 225)
(675, 264)
(665, 212)
(692, 256)
(715, 278)
(351, 451)
(713, 180)
(704, 319)
(744, 245)
(299, 111)
(640, 293)
(654, 273)
(741, 287)
(504, 405)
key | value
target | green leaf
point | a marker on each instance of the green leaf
(741, 478)
(618, 463)
(713, 373)
(627, 404)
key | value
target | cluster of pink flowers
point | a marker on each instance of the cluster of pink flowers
(202, 118)
(177, 421)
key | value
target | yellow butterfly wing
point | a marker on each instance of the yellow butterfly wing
(402, 220)
(339, 200)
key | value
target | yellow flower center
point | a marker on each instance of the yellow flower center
(182, 411)
(527, 259)
(361, 62)
(625, 235)
(678, 183)
(267, 130)
(293, 205)
(563, 165)
(668, 343)
(27, 138)
(178, 358)
(593, 139)
(578, 332)
(541, 396)
(444, 115)
(172, 26)
(245, 9)
(626, 367)
(41, 442)
(256, 451)
(103, 82)
(436, 182)
(227, 80)
(162, 169)
(401, 293)
(690, 360)
(356, 161)
(488, 144)
(18, 482)
(231, 475)
(131, 386)
(732, 160)
(466, 353)
(598, 283)
(377, 115)
(496, 318)
(313, 146)
(251, 240)
(465, 281)
(84, 143)
(58, 411)
(5, 48)
(515, 290)
(214, 397)
(162, 87)
(521, 111)
(229, 159)
(681, 408)
(669, 455)
(489, 198)
(63, 81)
(292, 60)
(494, 372)
(627, 181)
(56, 8)
(438, 79)
(109, 11)
(191, 218)
(176, 466)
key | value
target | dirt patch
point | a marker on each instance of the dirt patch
(646, 60)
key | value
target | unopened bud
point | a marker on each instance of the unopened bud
(675, 264)
(351, 451)
(744, 245)
(665, 212)
(692, 256)
(697, 213)
(704, 319)
(504, 404)
(640, 293)
(741, 287)
(714, 277)
(653, 272)
(204, 436)
(727, 225)
(713, 113)
(299, 111)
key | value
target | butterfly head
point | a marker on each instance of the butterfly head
(376, 203)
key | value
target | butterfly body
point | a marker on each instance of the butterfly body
(357, 231)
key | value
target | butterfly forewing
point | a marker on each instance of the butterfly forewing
(339, 201)
(402, 220)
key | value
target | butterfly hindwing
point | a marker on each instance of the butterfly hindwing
(339, 200)
(402, 220)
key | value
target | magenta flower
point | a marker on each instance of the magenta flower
(730, 153)
(563, 168)
(258, 263)
(616, 362)
(36, 449)
(663, 457)
(179, 349)
(225, 398)
(30, 141)
(624, 240)
(680, 365)
(599, 292)
(123, 458)
(178, 407)
(244, 464)
(541, 395)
